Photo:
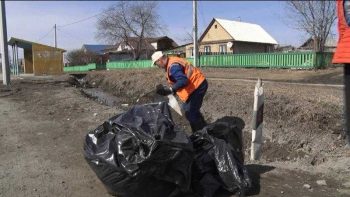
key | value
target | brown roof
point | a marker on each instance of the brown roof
(146, 43)
(28, 44)
(133, 41)
(330, 42)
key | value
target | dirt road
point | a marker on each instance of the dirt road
(43, 124)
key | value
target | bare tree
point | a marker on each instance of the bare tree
(129, 19)
(188, 37)
(80, 57)
(316, 18)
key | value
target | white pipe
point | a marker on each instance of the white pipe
(257, 136)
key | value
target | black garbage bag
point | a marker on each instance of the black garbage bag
(141, 153)
(219, 159)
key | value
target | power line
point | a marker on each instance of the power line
(68, 35)
(81, 20)
(62, 26)
(45, 35)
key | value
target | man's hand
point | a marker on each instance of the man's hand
(164, 90)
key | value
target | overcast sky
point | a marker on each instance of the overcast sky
(34, 20)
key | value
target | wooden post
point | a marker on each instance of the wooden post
(347, 102)
(13, 55)
(55, 36)
(258, 111)
(15, 64)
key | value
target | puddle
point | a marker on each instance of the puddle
(97, 94)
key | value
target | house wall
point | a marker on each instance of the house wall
(309, 46)
(127, 55)
(188, 50)
(247, 47)
(214, 48)
(122, 47)
(47, 60)
(238, 47)
(217, 33)
(330, 49)
(120, 56)
(155, 45)
(28, 61)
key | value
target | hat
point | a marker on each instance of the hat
(156, 56)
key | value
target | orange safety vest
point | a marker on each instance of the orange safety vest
(194, 75)
(342, 53)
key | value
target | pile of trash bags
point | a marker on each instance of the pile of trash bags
(142, 153)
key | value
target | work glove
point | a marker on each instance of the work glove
(164, 90)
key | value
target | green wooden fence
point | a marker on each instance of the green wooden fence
(129, 64)
(299, 60)
(84, 68)
(302, 60)
(324, 59)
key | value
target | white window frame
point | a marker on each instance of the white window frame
(221, 47)
(192, 51)
(207, 49)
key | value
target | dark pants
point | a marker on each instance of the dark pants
(193, 105)
(347, 101)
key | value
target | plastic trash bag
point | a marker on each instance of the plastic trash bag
(141, 153)
(219, 159)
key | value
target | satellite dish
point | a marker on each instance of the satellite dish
(229, 44)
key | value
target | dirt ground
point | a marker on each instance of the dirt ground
(43, 122)
(333, 75)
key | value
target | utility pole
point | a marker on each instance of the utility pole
(55, 36)
(4, 48)
(195, 30)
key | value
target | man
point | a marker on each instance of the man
(187, 82)
(342, 56)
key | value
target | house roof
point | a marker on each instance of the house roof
(330, 42)
(162, 38)
(147, 43)
(245, 32)
(96, 48)
(25, 44)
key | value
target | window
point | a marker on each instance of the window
(216, 26)
(223, 48)
(192, 51)
(207, 49)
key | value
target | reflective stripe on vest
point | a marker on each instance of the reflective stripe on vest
(194, 75)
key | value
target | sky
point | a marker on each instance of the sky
(34, 20)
